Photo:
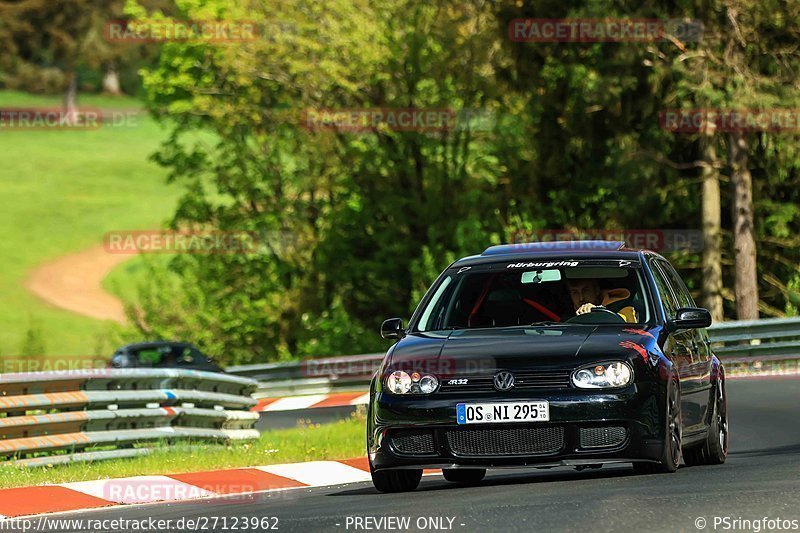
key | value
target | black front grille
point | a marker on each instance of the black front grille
(603, 437)
(527, 380)
(413, 442)
(505, 441)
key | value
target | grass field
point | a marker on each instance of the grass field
(339, 440)
(60, 192)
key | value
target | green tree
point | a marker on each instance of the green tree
(745, 61)
(48, 44)
(353, 226)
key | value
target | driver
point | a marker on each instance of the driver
(586, 294)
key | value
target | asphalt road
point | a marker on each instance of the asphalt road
(760, 479)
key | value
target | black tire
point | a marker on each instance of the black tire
(671, 457)
(395, 480)
(465, 476)
(714, 450)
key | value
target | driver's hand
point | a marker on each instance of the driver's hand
(585, 308)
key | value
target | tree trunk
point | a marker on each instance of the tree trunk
(712, 236)
(71, 99)
(111, 80)
(744, 243)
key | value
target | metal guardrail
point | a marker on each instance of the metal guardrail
(765, 337)
(363, 364)
(48, 412)
(349, 373)
(772, 340)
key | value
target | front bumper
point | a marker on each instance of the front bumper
(574, 414)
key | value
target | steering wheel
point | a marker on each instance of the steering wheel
(598, 315)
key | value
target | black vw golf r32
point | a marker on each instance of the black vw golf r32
(503, 364)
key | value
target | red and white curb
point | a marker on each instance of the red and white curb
(311, 401)
(83, 495)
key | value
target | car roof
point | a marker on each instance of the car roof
(155, 344)
(579, 250)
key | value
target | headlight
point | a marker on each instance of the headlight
(603, 376)
(400, 382)
(428, 384)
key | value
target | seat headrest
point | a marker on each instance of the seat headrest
(504, 295)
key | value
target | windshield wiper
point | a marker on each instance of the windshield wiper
(547, 323)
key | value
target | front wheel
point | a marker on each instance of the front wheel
(465, 476)
(671, 457)
(395, 480)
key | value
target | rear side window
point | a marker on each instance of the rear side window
(189, 356)
(149, 356)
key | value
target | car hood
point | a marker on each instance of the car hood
(484, 351)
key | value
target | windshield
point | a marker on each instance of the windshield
(512, 295)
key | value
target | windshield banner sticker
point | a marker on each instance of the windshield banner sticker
(544, 264)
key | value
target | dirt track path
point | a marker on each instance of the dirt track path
(74, 283)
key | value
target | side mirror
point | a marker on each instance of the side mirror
(392, 328)
(691, 318)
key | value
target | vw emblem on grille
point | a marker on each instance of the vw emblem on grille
(504, 380)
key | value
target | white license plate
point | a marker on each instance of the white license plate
(487, 413)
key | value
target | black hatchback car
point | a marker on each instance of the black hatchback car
(163, 354)
(548, 354)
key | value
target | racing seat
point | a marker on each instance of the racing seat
(619, 300)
